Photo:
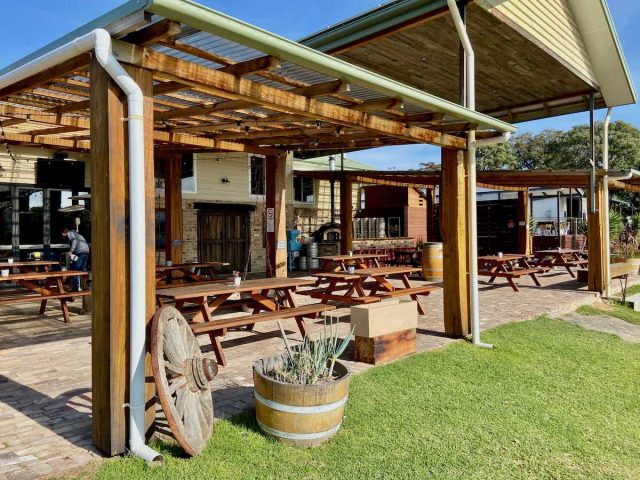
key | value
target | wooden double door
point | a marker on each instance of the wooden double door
(223, 236)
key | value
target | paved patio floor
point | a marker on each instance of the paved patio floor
(45, 371)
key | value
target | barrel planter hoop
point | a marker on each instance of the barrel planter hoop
(302, 415)
(432, 261)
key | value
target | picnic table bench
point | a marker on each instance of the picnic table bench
(51, 287)
(383, 288)
(189, 272)
(209, 298)
(564, 257)
(508, 266)
(340, 281)
(337, 263)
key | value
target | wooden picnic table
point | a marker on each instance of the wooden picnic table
(336, 263)
(564, 257)
(190, 272)
(349, 284)
(508, 266)
(208, 298)
(385, 289)
(44, 286)
(407, 256)
(30, 266)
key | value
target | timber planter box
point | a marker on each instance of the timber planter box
(384, 331)
(300, 415)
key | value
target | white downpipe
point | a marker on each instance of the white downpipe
(474, 307)
(100, 41)
(605, 194)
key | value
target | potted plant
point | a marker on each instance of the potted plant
(301, 395)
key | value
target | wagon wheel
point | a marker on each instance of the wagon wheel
(182, 376)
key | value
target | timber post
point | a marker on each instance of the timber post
(276, 230)
(110, 261)
(173, 208)
(524, 236)
(453, 211)
(346, 214)
(596, 274)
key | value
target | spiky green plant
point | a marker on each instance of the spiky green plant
(313, 360)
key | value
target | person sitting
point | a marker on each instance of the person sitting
(78, 254)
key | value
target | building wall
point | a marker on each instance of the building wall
(23, 170)
(551, 24)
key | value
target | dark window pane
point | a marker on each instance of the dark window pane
(5, 215)
(258, 178)
(31, 218)
(160, 226)
(303, 189)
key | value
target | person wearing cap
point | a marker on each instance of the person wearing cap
(78, 254)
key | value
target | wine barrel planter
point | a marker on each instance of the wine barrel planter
(432, 261)
(300, 415)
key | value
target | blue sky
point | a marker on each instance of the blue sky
(30, 24)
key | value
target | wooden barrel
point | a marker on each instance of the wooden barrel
(432, 261)
(302, 415)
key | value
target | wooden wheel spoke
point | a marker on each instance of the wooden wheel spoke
(189, 413)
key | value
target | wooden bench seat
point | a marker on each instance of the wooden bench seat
(423, 290)
(512, 273)
(40, 298)
(343, 298)
(298, 312)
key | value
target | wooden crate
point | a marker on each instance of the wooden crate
(385, 348)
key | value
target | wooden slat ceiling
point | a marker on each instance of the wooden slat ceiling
(207, 99)
(516, 80)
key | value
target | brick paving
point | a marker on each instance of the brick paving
(45, 371)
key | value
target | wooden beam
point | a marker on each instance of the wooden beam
(164, 29)
(64, 68)
(276, 216)
(251, 66)
(453, 207)
(346, 215)
(211, 143)
(430, 197)
(173, 208)
(53, 131)
(218, 82)
(110, 288)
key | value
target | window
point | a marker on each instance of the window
(303, 189)
(31, 216)
(6, 213)
(160, 228)
(257, 167)
(188, 174)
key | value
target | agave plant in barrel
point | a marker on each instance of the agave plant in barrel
(301, 395)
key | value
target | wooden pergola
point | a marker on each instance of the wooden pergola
(206, 89)
(214, 84)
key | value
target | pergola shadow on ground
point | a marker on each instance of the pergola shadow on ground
(45, 394)
(214, 84)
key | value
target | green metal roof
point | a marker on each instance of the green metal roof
(322, 163)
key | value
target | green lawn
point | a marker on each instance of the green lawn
(612, 310)
(551, 400)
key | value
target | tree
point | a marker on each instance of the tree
(558, 150)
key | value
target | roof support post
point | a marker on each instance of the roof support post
(276, 241)
(173, 208)
(596, 233)
(524, 243)
(453, 226)
(346, 214)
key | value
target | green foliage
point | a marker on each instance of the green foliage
(616, 225)
(557, 150)
(313, 360)
(550, 401)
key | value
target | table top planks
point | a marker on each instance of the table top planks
(33, 263)
(398, 270)
(33, 276)
(182, 266)
(506, 257)
(220, 288)
(355, 256)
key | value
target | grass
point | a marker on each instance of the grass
(551, 400)
(612, 310)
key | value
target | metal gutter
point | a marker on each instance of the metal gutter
(619, 51)
(103, 21)
(216, 23)
(369, 23)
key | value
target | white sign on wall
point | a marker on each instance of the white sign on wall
(271, 220)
